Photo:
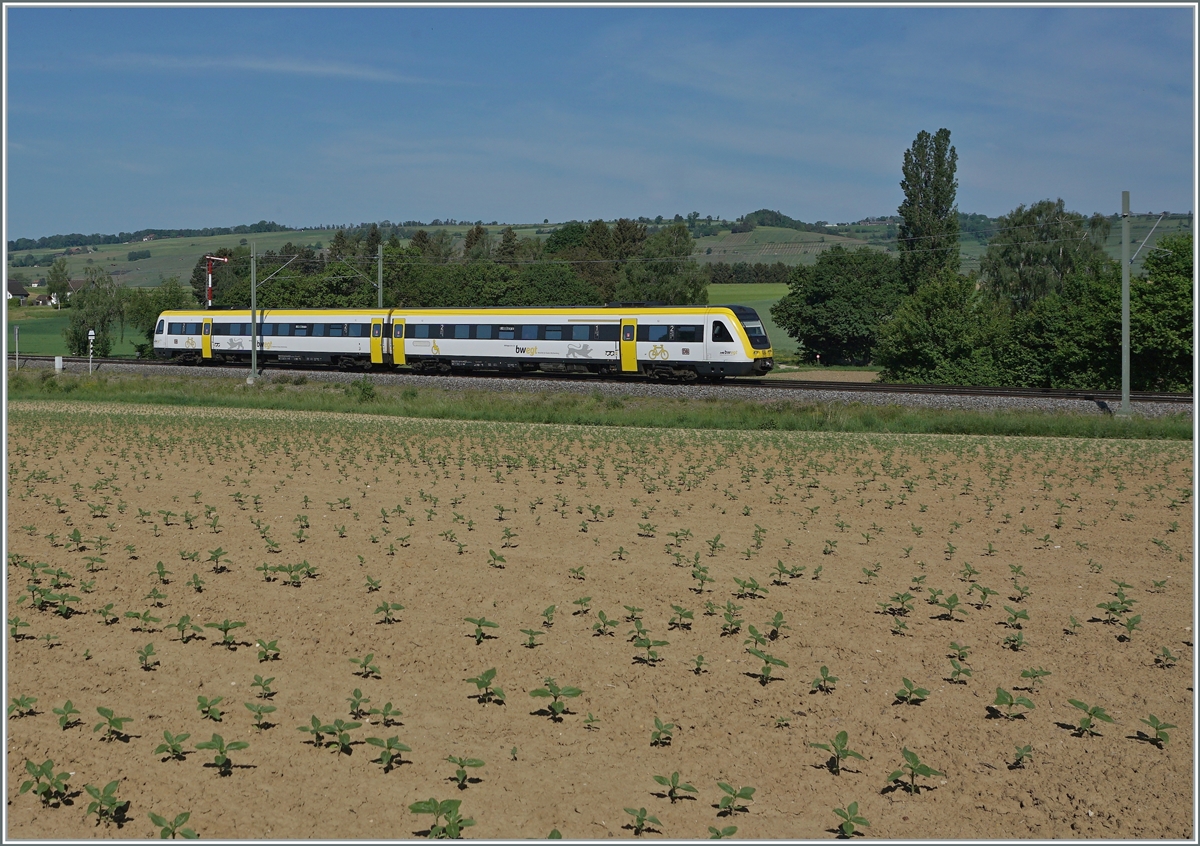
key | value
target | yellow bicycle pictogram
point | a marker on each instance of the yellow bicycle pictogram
(659, 351)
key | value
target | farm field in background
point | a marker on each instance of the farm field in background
(894, 588)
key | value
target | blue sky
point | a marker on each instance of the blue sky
(127, 118)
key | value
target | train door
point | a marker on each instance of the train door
(723, 346)
(377, 340)
(206, 339)
(398, 340)
(629, 345)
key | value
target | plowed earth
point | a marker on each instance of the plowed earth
(631, 513)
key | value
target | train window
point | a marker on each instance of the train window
(580, 332)
(652, 333)
(207, 328)
(720, 333)
(398, 330)
(175, 329)
(283, 329)
(626, 333)
(318, 330)
(191, 329)
(376, 330)
(529, 333)
(462, 330)
(337, 330)
(689, 334)
(483, 331)
(507, 333)
(300, 330)
(441, 330)
(421, 330)
(608, 332)
(554, 333)
(357, 330)
(158, 330)
(266, 329)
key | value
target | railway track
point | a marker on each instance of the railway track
(791, 385)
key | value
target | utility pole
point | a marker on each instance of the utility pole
(381, 275)
(253, 317)
(1124, 410)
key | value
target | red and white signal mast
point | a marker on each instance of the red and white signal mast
(208, 288)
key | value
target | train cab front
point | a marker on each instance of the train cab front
(761, 355)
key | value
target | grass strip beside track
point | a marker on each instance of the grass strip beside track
(583, 409)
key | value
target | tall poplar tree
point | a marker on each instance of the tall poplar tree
(928, 235)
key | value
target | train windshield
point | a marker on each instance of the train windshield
(757, 334)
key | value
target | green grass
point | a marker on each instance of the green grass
(42, 332)
(594, 408)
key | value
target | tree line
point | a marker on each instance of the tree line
(1043, 309)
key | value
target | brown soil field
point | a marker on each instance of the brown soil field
(831, 532)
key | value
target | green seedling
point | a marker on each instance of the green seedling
(619, 553)
(680, 619)
(225, 627)
(1023, 754)
(208, 708)
(548, 616)
(590, 722)
(67, 715)
(1088, 720)
(985, 596)
(497, 560)
(317, 730)
(850, 818)
(951, 605)
(264, 687)
(1160, 738)
(170, 829)
(934, 593)
(389, 750)
(259, 710)
(910, 694)
(197, 583)
(734, 799)
(899, 605)
(144, 620)
(749, 589)
(365, 668)
(769, 661)
(604, 624)
(1165, 659)
(105, 804)
(460, 774)
(387, 609)
(340, 735)
(114, 726)
(912, 767)
(840, 751)
(187, 630)
(674, 785)
(51, 788)
(454, 823)
(267, 650)
(1015, 617)
(161, 572)
(650, 646)
(222, 750)
(577, 573)
(641, 819)
(662, 733)
(390, 715)
(699, 664)
(1010, 703)
(1073, 625)
(824, 682)
(1015, 642)
(532, 634)
(483, 684)
(15, 624)
(144, 656)
(715, 833)
(583, 603)
(480, 624)
(1035, 675)
(775, 626)
(556, 694)
(756, 638)
(958, 671)
(172, 746)
(1131, 626)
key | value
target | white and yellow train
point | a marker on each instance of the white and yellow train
(678, 342)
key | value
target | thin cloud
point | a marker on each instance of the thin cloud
(254, 64)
